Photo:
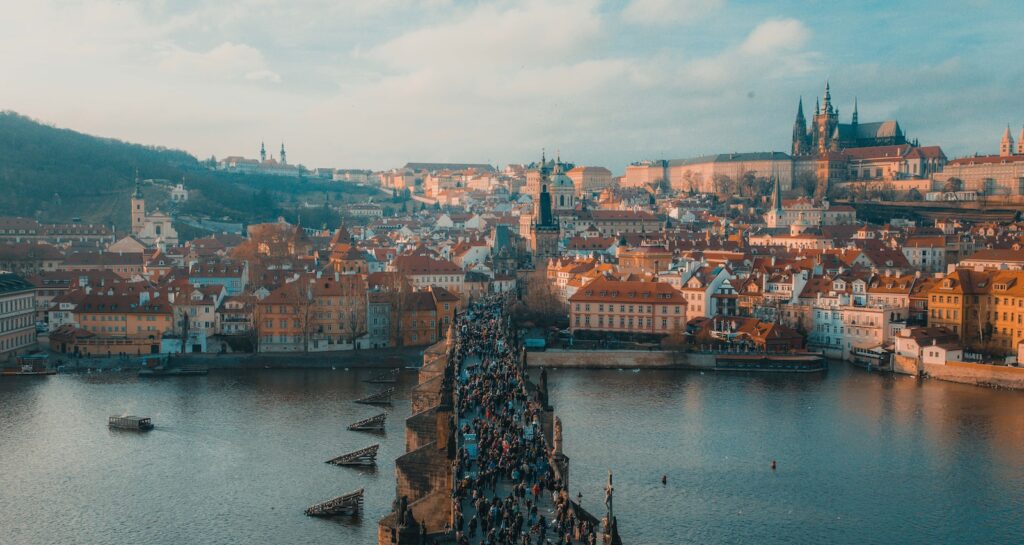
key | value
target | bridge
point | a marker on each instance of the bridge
(484, 460)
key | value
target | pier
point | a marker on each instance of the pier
(484, 461)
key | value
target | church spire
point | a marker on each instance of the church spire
(138, 186)
(284, 160)
(1006, 145)
(854, 110)
(800, 130)
(1020, 142)
(828, 99)
(777, 195)
(817, 106)
(263, 152)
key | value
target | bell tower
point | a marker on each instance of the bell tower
(138, 207)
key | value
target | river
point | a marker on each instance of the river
(237, 456)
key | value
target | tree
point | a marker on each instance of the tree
(914, 195)
(953, 185)
(541, 303)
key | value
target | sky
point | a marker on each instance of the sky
(377, 83)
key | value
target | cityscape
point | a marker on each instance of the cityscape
(817, 340)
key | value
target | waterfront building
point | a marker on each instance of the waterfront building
(109, 322)
(629, 307)
(17, 315)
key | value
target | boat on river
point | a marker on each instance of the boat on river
(134, 423)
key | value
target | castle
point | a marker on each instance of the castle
(826, 133)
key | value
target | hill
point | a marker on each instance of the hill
(55, 174)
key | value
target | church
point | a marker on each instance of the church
(153, 229)
(825, 133)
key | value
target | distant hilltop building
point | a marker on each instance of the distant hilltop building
(826, 133)
(989, 175)
(266, 166)
(824, 151)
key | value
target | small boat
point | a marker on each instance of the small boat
(385, 378)
(135, 423)
(362, 457)
(349, 504)
(380, 398)
(374, 423)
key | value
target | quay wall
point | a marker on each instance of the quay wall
(978, 374)
(620, 359)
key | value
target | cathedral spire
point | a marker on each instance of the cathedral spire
(817, 106)
(1006, 145)
(800, 110)
(828, 99)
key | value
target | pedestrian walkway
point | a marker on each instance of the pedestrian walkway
(506, 491)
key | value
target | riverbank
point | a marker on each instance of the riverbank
(977, 374)
(669, 359)
(384, 358)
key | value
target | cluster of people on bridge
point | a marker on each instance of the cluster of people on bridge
(507, 490)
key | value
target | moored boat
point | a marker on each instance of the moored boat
(136, 423)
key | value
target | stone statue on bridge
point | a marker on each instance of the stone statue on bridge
(557, 437)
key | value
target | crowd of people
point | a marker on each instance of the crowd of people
(506, 490)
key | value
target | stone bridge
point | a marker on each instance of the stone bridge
(426, 509)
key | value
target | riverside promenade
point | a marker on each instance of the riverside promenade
(484, 461)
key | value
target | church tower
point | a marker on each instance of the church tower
(825, 123)
(1020, 142)
(138, 207)
(800, 143)
(284, 158)
(263, 153)
(546, 230)
(1006, 146)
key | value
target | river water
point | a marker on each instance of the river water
(237, 456)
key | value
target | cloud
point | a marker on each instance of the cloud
(497, 34)
(228, 60)
(776, 36)
(669, 12)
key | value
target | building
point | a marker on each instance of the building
(627, 307)
(151, 229)
(825, 133)
(590, 180)
(233, 275)
(107, 323)
(17, 316)
(988, 175)
(701, 174)
(265, 166)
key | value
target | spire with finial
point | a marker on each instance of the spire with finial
(828, 99)
(854, 110)
(284, 158)
(817, 106)
(138, 186)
